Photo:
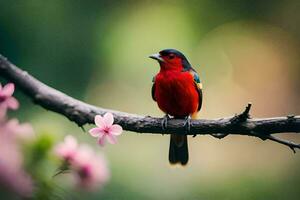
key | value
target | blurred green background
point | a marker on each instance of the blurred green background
(97, 51)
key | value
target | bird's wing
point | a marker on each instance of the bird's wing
(198, 86)
(153, 89)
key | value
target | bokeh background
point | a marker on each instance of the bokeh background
(97, 51)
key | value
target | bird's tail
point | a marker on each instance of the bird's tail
(178, 151)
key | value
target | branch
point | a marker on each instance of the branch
(293, 146)
(83, 113)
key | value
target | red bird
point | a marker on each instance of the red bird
(178, 92)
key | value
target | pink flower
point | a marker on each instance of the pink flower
(67, 150)
(106, 129)
(88, 168)
(6, 99)
(13, 129)
(91, 168)
(12, 173)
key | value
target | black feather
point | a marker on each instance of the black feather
(185, 63)
(153, 91)
(178, 150)
(200, 98)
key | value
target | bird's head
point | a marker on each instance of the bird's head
(171, 59)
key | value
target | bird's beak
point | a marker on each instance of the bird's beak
(157, 57)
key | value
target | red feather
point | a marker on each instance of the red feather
(176, 93)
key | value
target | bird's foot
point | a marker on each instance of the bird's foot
(164, 122)
(187, 124)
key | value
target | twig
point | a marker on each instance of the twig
(290, 144)
(243, 116)
(293, 146)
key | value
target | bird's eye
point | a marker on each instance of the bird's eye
(171, 56)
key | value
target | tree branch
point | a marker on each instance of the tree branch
(83, 113)
(293, 146)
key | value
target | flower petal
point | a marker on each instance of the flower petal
(111, 139)
(101, 140)
(2, 113)
(70, 142)
(115, 129)
(96, 132)
(8, 89)
(99, 121)
(86, 152)
(108, 119)
(12, 103)
(60, 150)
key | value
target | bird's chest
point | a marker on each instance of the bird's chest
(175, 93)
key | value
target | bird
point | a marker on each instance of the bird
(177, 89)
